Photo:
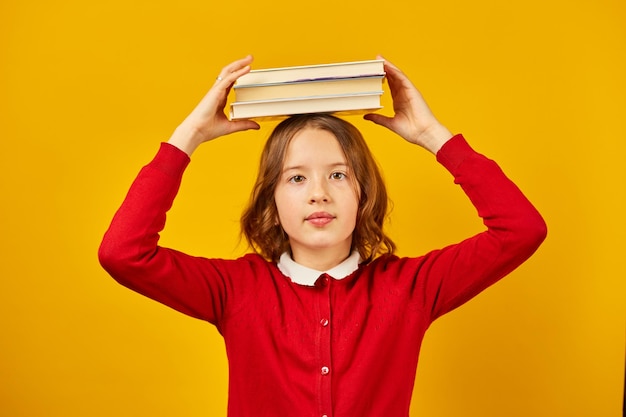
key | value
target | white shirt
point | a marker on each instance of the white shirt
(303, 275)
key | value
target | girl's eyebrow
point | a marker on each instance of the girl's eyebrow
(299, 167)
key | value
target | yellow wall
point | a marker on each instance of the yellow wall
(88, 89)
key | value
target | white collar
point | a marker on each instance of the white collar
(303, 275)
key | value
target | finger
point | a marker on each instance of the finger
(233, 76)
(389, 66)
(240, 63)
(395, 78)
(234, 67)
(224, 83)
(239, 125)
(379, 119)
(227, 78)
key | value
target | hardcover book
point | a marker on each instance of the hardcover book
(318, 87)
(313, 72)
(300, 105)
(327, 88)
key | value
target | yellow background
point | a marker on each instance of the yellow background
(89, 89)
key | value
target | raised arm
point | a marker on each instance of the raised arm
(130, 249)
(449, 277)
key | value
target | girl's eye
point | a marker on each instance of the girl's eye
(338, 175)
(296, 178)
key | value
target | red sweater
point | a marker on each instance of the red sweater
(341, 348)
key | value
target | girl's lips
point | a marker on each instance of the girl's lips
(320, 218)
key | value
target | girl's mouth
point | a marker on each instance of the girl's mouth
(320, 218)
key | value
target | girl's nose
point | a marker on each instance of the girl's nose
(319, 192)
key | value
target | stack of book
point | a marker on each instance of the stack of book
(326, 88)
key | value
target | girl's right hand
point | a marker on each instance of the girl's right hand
(208, 120)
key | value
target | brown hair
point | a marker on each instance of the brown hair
(259, 222)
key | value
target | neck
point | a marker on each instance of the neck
(321, 259)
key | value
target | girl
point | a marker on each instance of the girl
(322, 320)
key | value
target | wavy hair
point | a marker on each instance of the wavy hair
(259, 221)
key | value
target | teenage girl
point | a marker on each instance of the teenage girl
(322, 319)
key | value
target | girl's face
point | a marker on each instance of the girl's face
(316, 200)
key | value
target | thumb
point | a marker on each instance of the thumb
(240, 125)
(379, 119)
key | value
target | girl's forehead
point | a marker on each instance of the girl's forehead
(313, 139)
(314, 146)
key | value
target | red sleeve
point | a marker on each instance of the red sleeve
(451, 276)
(129, 251)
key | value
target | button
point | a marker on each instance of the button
(324, 322)
(325, 370)
(322, 281)
(324, 415)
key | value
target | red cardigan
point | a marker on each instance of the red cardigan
(341, 348)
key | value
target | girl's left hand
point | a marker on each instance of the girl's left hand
(412, 119)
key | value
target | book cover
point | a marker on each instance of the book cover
(313, 72)
(317, 87)
(312, 104)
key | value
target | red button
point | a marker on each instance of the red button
(322, 281)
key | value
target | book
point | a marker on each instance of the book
(330, 88)
(291, 89)
(313, 72)
(310, 104)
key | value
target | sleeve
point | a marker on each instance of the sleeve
(129, 251)
(451, 276)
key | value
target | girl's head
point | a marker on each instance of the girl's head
(261, 221)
